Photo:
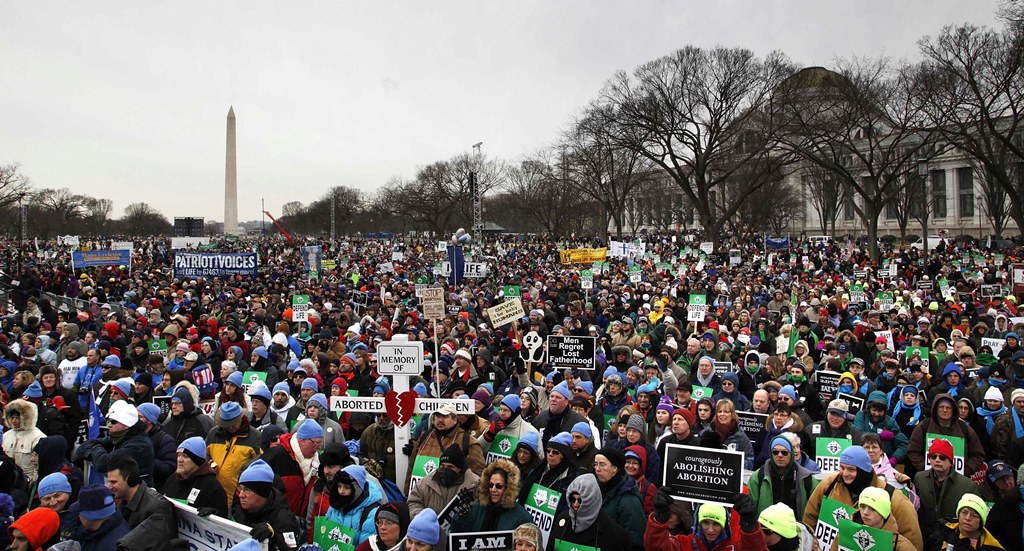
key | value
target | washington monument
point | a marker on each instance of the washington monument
(230, 180)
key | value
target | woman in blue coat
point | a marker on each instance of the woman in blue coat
(354, 501)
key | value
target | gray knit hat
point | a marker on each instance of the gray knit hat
(636, 422)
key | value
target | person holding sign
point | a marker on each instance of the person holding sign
(782, 532)
(584, 523)
(496, 508)
(264, 509)
(845, 486)
(940, 487)
(968, 533)
(716, 527)
(354, 501)
(621, 500)
(781, 480)
(945, 422)
(874, 510)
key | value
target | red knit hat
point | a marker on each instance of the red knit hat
(691, 419)
(942, 447)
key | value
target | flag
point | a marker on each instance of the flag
(96, 419)
(457, 264)
(776, 242)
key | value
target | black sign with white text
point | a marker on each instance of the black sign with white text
(578, 352)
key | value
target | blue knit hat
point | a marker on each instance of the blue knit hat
(318, 399)
(95, 502)
(235, 378)
(512, 402)
(587, 387)
(856, 456)
(781, 440)
(150, 411)
(112, 361)
(310, 429)
(530, 440)
(731, 377)
(310, 383)
(124, 386)
(610, 371)
(229, 411)
(34, 390)
(420, 389)
(195, 448)
(282, 387)
(789, 390)
(257, 471)
(563, 389)
(248, 544)
(424, 527)
(260, 351)
(292, 365)
(260, 391)
(563, 438)
(583, 428)
(54, 482)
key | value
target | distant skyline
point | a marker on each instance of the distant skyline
(129, 101)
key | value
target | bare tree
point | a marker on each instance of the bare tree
(864, 126)
(773, 205)
(142, 219)
(63, 205)
(14, 185)
(973, 94)
(701, 116)
(291, 208)
(826, 196)
(995, 204)
(540, 195)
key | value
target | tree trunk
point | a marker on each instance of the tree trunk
(871, 213)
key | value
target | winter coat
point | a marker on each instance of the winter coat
(736, 441)
(762, 491)
(1005, 442)
(188, 424)
(146, 503)
(832, 486)
(604, 533)
(165, 455)
(895, 447)
(232, 454)
(900, 543)
(917, 449)
(658, 538)
(569, 418)
(429, 494)
(332, 430)
(622, 503)
(135, 445)
(509, 514)
(271, 418)
(106, 537)
(275, 513)
(208, 491)
(281, 459)
(360, 516)
(558, 478)
(379, 444)
(19, 443)
(934, 508)
(947, 538)
(516, 429)
(432, 444)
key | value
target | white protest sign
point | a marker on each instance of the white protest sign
(506, 312)
(697, 308)
(386, 267)
(707, 246)
(433, 303)
(360, 404)
(996, 344)
(400, 358)
(209, 533)
(888, 339)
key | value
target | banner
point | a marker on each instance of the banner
(312, 261)
(776, 242)
(506, 312)
(502, 447)
(996, 345)
(68, 241)
(623, 249)
(829, 516)
(193, 265)
(856, 403)
(827, 452)
(423, 466)
(541, 503)
(456, 264)
(477, 541)
(211, 533)
(582, 256)
(828, 383)
(577, 352)
(703, 475)
(188, 242)
(85, 259)
(857, 537)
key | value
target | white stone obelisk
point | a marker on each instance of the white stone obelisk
(230, 180)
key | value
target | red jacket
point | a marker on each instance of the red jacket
(658, 538)
(282, 460)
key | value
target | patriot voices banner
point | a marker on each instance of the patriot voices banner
(190, 265)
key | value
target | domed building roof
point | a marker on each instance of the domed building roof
(814, 77)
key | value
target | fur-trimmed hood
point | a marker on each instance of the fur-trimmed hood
(28, 410)
(513, 483)
(191, 390)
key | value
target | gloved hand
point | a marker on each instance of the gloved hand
(519, 364)
(407, 448)
(747, 510)
(662, 502)
(262, 532)
(206, 511)
(496, 426)
(886, 436)
(893, 461)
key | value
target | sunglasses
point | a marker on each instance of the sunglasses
(498, 486)
(782, 453)
(576, 499)
(936, 457)
(767, 532)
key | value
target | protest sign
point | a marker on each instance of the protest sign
(990, 291)
(857, 295)
(857, 537)
(158, 347)
(586, 279)
(312, 260)
(541, 503)
(578, 352)
(164, 403)
(996, 344)
(635, 274)
(210, 533)
(697, 308)
(400, 358)
(300, 308)
(506, 312)
(752, 424)
(250, 378)
(828, 382)
(459, 505)
(193, 265)
(885, 301)
(421, 284)
(887, 335)
(433, 303)
(333, 536)
(421, 467)
(479, 541)
(829, 516)
(959, 446)
(827, 452)
(723, 367)
(701, 392)
(582, 256)
(702, 475)
(856, 403)
(503, 446)
(85, 259)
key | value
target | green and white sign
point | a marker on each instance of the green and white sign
(700, 392)
(959, 458)
(423, 466)
(827, 452)
(857, 293)
(421, 283)
(502, 447)
(158, 348)
(609, 420)
(300, 308)
(333, 536)
(885, 301)
(250, 378)
(697, 308)
(857, 537)
(541, 503)
(829, 516)
(511, 291)
(562, 545)
(587, 279)
(634, 274)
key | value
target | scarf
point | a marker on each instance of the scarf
(705, 381)
(990, 417)
(1017, 426)
(913, 419)
(308, 466)
(724, 430)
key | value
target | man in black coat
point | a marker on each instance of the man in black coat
(264, 508)
(195, 481)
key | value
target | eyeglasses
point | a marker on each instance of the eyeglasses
(726, 383)
(782, 453)
(579, 390)
(244, 490)
(385, 523)
(575, 499)
(554, 452)
(496, 486)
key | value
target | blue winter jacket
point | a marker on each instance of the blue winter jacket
(373, 496)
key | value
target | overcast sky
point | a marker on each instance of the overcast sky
(128, 100)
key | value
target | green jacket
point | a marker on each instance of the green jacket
(761, 492)
(623, 505)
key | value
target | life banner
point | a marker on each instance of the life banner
(478, 541)
(700, 392)
(541, 503)
(582, 256)
(212, 533)
(703, 475)
(192, 265)
(502, 447)
(250, 378)
(572, 352)
(827, 452)
(857, 537)
(826, 531)
(86, 259)
(331, 536)
(959, 446)
(752, 424)
(697, 308)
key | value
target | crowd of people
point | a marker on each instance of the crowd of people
(129, 392)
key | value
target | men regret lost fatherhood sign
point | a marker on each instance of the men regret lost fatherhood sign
(572, 352)
(703, 475)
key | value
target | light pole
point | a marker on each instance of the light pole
(922, 171)
(478, 195)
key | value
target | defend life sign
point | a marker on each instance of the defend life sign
(703, 475)
(400, 358)
(697, 308)
(569, 352)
